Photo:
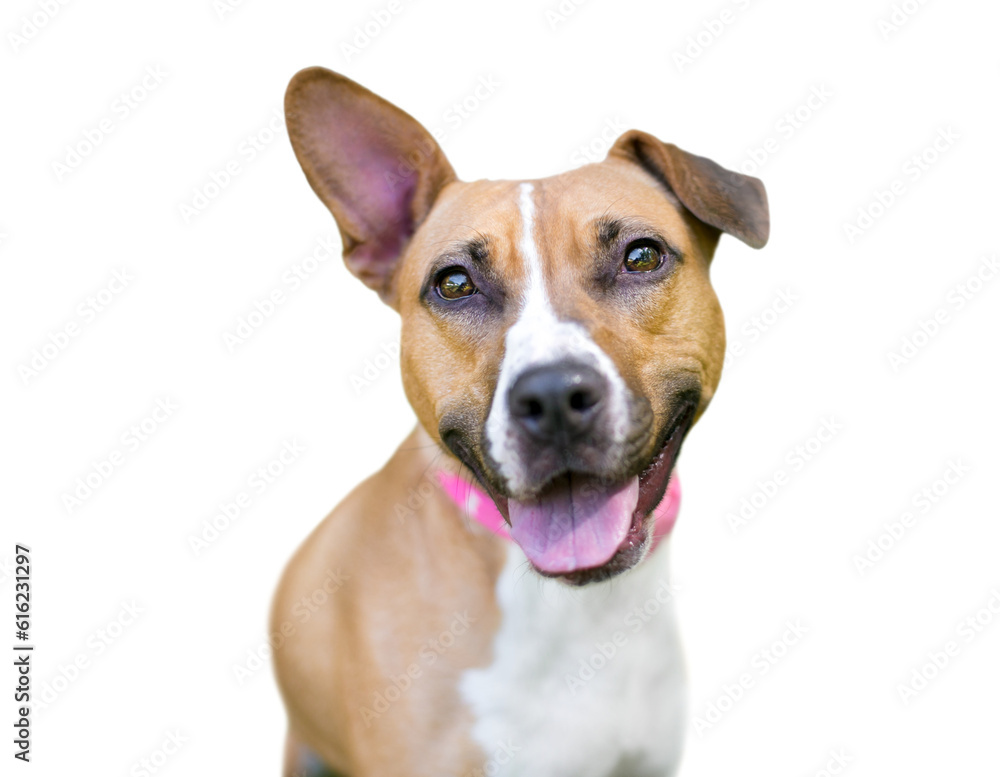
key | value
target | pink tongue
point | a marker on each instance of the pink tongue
(576, 525)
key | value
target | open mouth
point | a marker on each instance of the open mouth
(582, 528)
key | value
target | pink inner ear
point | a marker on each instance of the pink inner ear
(367, 160)
(376, 186)
(381, 191)
(376, 180)
(381, 200)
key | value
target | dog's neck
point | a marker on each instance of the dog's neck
(578, 649)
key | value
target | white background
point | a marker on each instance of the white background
(562, 83)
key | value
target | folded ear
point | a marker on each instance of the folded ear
(374, 166)
(726, 200)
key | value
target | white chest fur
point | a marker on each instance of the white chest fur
(584, 682)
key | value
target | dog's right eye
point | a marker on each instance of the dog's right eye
(455, 283)
(642, 257)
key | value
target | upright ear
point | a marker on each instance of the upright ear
(374, 166)
(726, 200)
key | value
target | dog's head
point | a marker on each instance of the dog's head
(560, 336)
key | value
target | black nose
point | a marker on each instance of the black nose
(559, 402)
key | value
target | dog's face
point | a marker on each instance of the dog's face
(559, 336)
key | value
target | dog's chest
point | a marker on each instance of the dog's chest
(583, 682)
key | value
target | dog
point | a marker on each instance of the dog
(496, 599)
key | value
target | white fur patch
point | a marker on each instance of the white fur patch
(585, 682)
(539, 337)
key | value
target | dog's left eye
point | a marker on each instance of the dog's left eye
(455, 283)
(642, 257)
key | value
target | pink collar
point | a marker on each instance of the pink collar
(476, 504)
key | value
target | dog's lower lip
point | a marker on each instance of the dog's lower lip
(652, 486)
(653, 482)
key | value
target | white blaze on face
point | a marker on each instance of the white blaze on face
(538, 337)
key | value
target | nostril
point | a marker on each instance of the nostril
(582, 400)
(527, 406)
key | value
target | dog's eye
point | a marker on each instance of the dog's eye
(642, 257)
(455, 283)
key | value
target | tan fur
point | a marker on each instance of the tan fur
(408, 571)
(407, 578)
(404, 580)
(679, 329)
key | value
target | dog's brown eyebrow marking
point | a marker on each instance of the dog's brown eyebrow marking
(478, 249)
(608, 229)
